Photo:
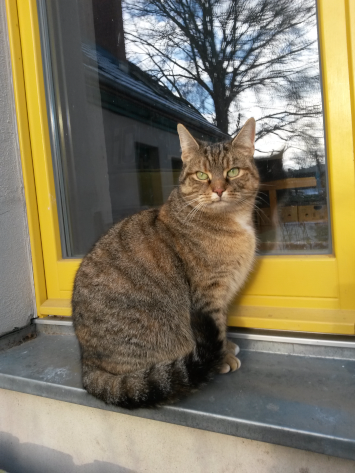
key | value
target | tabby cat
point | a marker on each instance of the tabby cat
(151, 297)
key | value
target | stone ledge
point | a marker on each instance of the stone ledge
(291, 400)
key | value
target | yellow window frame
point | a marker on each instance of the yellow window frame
(306, 293)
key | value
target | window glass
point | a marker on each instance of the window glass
(120, 76)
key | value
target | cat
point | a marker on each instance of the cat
(150, 299)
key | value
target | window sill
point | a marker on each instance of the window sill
(290, 393)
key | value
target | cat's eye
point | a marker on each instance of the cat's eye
(202, 175)
(233, 172)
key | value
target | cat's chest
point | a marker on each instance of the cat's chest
(237, 257)
(241, 259)
(238, 246)
(229, 257)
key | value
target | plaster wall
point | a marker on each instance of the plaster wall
(17, 305)
(38, 435)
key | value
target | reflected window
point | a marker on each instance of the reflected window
(120, 76)
(148, 170)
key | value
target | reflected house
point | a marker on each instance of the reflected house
(119, 150)
(140, 124)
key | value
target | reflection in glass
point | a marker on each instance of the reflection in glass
(123, 76)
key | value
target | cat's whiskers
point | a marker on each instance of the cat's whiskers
(258, 211)
(194, 211)
(189, 203)
(261, 199)
(246, 201)
(262, 215)
(245, 196)
(192, 200)
(202, 198)
(199, 210)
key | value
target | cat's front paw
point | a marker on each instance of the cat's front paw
(232, 348)
(230, 363)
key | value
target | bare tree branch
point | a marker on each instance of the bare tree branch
(218, 52)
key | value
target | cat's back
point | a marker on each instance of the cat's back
(125, 242)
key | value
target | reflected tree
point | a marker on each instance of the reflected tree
(224, 55)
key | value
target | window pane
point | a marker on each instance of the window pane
(122, 75)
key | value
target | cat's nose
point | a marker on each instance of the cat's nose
(219, 191)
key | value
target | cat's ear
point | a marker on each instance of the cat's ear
(245, 140)
(187, 142)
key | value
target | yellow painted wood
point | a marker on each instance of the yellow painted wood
(340, 146)
(40, 142)
(350, 13)
(278, 318)
(310, 290)
(26, 152)
(282, 301)
(65, 294)
(66, 273)
(295, 319)
(278, 276)
(60, 307)
(297, 276)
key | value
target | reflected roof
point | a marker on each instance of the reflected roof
(128, 79)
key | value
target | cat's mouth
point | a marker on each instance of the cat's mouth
(216, 199)
(220, 202)
(227, 201)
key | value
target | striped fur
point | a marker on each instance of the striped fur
(165, 381)
(150, 299)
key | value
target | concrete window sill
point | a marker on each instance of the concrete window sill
(290, 392)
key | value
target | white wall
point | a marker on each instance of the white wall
(16, 286)
(39, 435)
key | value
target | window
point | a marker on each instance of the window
(149, 175)
(101, 135)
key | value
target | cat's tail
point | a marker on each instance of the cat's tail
(164, 382)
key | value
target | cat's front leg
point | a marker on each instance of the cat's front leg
(230, 361)
(232, 347)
